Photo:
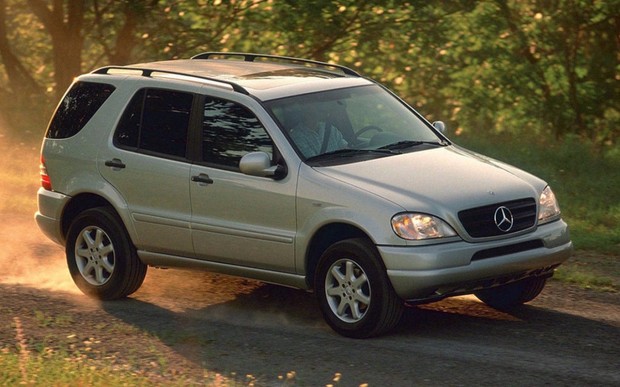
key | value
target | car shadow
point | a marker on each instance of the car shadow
(268, 330)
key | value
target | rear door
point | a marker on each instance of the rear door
(147, 164)
(239, 219)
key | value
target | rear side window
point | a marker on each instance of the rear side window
(77, 108)
(156, 121)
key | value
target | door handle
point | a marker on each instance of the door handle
(115, 163)
(202, 178)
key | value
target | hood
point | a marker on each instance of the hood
(440, 180)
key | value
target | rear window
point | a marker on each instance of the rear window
(77, 108)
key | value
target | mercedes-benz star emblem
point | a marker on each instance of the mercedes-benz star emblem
(503, 218)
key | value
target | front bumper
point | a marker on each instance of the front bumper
(428, 273)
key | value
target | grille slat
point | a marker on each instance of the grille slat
(505, 250)
(479, 222)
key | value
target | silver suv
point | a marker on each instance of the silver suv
(290, 171)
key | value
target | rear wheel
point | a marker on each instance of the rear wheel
(354, 293)
(101, 258)
(512, 295)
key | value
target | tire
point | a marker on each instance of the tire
(101, 258)
(355, 296)
(509, 296)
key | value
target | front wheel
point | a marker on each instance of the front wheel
(356, 297)
(512, 295)
(101, 258)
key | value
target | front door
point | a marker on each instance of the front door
(239, 219)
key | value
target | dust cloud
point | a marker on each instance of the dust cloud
(27, 257)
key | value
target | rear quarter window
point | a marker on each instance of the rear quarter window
(77, 107)
(156, 121)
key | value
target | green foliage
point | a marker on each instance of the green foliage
(523, 67)
(535, 68)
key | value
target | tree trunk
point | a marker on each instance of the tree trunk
(66, 34)
(125, 40)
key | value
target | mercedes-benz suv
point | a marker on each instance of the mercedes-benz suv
(289, 171)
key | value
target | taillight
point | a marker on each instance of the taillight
(46, 183)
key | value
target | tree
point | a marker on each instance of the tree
(539, 67)
(536, 67)
(18, 75)
(119, 50)
(64, 22)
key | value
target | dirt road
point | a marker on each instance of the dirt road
(181, 324)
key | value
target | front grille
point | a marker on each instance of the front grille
(480, 222)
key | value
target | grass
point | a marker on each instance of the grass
(30, 361)
(585, 280)
(44, 320)
(591, 270)
(58, 369)
(52, 367)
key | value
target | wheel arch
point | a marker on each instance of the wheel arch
(82, 202)
(324, 237)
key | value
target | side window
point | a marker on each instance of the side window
(128, 130)
(77, 107)
(230, 131)
(157, 121)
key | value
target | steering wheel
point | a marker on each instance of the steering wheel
(368, 128)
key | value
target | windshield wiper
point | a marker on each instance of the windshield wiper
(410, 144)
(348, 152)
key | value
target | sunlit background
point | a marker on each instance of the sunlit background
(531, 83)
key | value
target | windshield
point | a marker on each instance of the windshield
(352, 123)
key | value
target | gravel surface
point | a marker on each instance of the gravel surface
(187, 326)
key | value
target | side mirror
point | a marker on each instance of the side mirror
(259, 164)
(440, 126)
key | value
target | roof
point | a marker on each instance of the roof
(264, 76)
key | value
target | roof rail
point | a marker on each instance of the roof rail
(250, 57)
(146, 72)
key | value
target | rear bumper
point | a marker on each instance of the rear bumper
(49, 215)
(427, 273)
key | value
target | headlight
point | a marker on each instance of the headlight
(413, 226)
(549, 209)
